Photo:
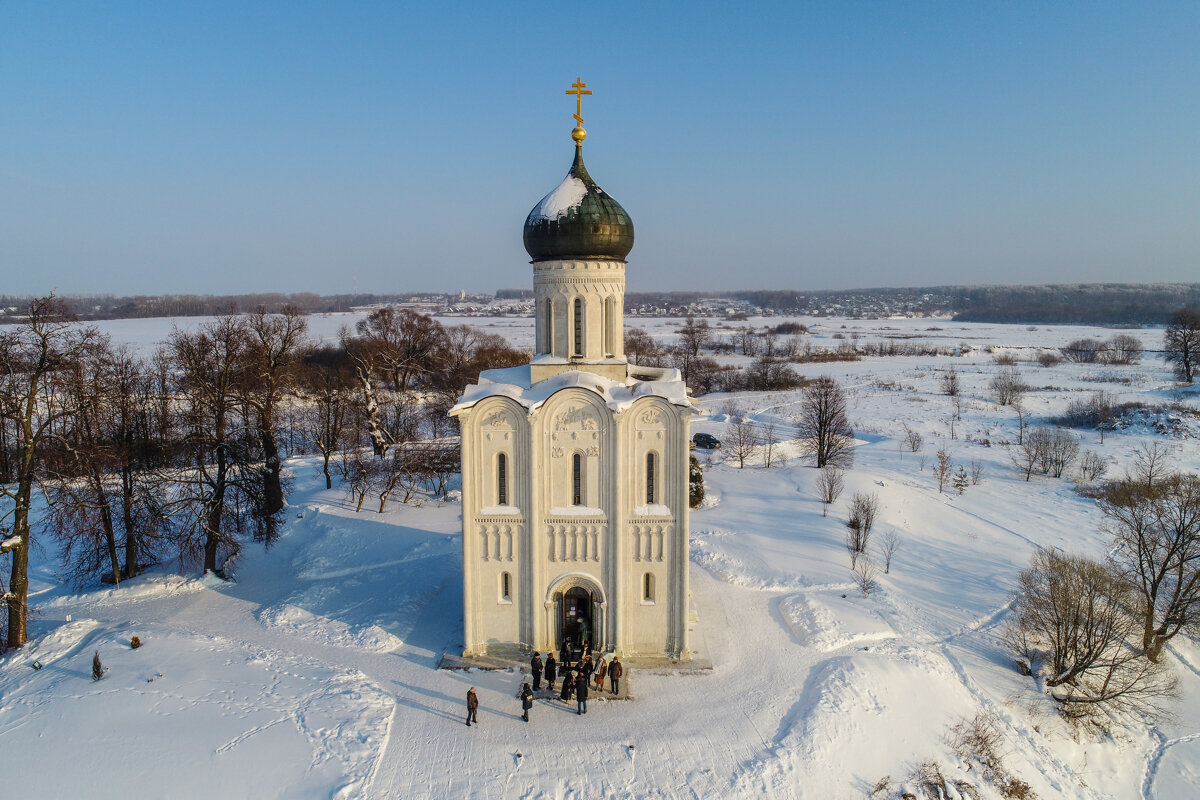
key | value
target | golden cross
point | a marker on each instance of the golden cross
(579, 92)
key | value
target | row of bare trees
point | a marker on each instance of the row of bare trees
(180, 454)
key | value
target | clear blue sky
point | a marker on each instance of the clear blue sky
(219, 147)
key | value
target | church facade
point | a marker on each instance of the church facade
(575, 466)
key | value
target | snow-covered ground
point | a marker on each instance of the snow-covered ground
(313, 674)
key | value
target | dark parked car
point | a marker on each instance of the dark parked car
(706, 441)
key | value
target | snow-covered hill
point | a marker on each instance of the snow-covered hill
(314, 673)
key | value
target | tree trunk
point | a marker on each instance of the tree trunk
(273, 501)
(132, 567)
(18, 583)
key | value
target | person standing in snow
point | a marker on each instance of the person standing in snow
(568, 685)
(472, 706)
(581, 694)
(601, 669)
(615, 671)
(535, 665)
(526, 701)
(551, 670)
(586, 667)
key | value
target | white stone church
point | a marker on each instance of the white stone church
(575, 466)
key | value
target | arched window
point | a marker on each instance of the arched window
(610, 327)
(647, 588)
(577, 480)
(579, 326)
(547, 326)
(506, 587)
(650, 478)
(502, 480)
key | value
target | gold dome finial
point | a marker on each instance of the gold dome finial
(578, 88)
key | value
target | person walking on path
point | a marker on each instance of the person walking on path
(526, 701)
(581, 695)
(551, 670)
(472, 706)
(568, 685)
(601, 669)
(535, 664)
(615, 671)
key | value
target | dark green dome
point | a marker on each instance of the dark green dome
(578, 220)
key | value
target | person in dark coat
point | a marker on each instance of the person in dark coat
(526, 701)
(615, 671)
(567, 687)
(586, 668)
(551, 670)
(581, 694)
(535, 665)
(472, 706)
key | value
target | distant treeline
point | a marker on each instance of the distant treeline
(1084, 303)
(96, 307)
(1090, 303)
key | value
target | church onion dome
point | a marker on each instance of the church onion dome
(578, 220)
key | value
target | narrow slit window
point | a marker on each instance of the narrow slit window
(649, 478)
(647, 588)
(502, 480)
(578, 326)
(548, 327)
(506, 586)
(577, 480)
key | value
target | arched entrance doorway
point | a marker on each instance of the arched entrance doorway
(577, 617)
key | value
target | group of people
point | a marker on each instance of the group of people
(577, 680)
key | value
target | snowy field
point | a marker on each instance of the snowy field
(313, 674)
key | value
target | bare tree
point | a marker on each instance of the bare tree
(823, 424)
(770, 438)
(950, 382)
(1181, 342)
(1123, 349)
(860, 519)
(640, 348)
(976, 472)
(34, 357)
(1070, 624)
(1008, 387)
(891, 543)
(913, 440)
(99, 505)
(865, 573)
(1083, 351)
(740, 439)
(216, 491)
(1091, 466)
(1156, 531)
(694, 336)
(1151, 464)
(327, 387)
(1060, 451)
(942, 470)
(274, 344)
(830, 482)
(1030, 452)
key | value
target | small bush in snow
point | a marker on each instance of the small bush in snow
(830, 483)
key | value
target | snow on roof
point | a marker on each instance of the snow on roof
(569, 194)
(514, 383)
